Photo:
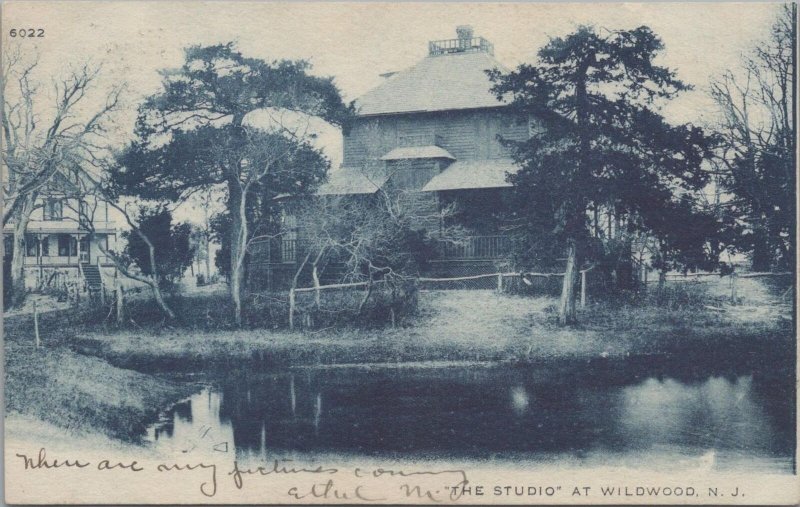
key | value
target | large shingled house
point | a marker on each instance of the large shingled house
(434, 131)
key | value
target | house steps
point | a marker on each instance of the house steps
(91, 273)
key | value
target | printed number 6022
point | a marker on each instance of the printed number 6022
(26, 32)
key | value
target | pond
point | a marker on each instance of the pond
(632, 413)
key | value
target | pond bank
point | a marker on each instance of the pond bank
(108, 382)
(475, 326)
(85, 395)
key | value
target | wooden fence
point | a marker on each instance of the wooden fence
(733, 276)
(498, 276)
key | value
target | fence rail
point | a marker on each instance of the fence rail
(498, 276)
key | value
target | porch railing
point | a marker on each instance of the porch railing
(288, 250)
(278, 251)
(274, 251)
(475, 247)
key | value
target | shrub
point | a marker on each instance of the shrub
(173, 252)
(341, 306)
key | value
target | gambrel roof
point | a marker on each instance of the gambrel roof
(437, 83)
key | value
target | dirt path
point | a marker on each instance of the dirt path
(763, 300)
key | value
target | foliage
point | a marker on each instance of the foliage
(198, 133)
(757, 163)
(47, 142)
(374, 237)
(172, 250)
(601, 143)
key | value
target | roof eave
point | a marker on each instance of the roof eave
(424, 111)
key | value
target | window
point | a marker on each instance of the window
(413, 178)
(53, 209)
(100, 240)
(67, 246)
(8, 246)
(84, 211)
(32, 245)
(85, 247)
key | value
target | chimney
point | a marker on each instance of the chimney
(464, 33)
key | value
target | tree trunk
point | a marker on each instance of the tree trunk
(367, 294)
(208, 257)
(566, 308)
(119, 297)
(315, 276)
(160, 300)
(762, 257)
(238, 244)
(18, 251)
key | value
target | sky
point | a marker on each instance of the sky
(356, 42)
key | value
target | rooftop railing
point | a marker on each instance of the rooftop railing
(448, 46)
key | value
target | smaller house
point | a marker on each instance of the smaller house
(57, 247)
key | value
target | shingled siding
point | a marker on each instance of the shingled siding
(465, 134)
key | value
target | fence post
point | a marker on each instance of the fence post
(499, 282)
(734, 276)
(583, 289)
(120, 303)
(291, 308)
(118, 296)
(36, 323)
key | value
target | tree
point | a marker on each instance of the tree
(203, 233)
(602, 142)
(373, 238)
(41, 141)
(195, 135)
(172, 250)
(87, 194)
(758, 160)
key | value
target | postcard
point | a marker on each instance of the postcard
(399, 253)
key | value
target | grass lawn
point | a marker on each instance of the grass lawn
(89, 379)
(453, 326)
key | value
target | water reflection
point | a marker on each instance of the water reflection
(491, 413)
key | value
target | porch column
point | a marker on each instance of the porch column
(39, 249)
(39, 255)
(78, 246)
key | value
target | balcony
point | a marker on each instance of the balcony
(475, 248)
